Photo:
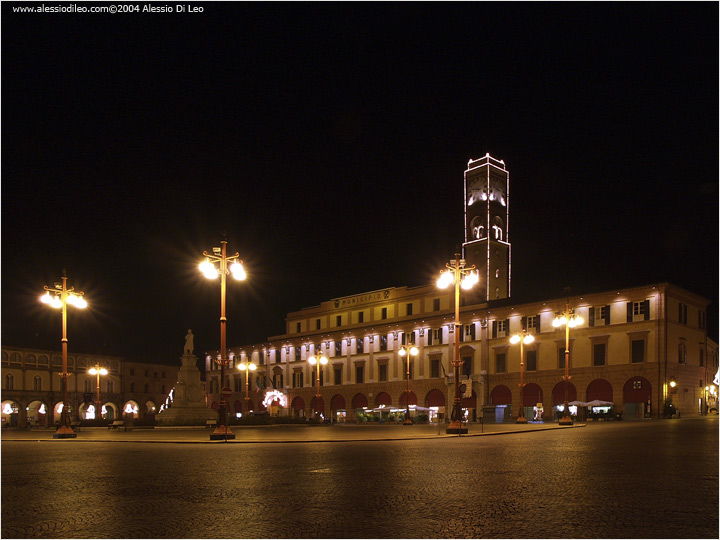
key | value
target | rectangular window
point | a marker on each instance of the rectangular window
(297, 380)
(359, 374)
(238, 384)
(338, 375)
(338, 348)
(436, 304)
(500, 363)
(702, 358)
(317, 324)
(702, 325)
(383, 313)
(469, 334)
(382, 372)
(599, 354)
(561, 357)
(314, 378)
(502, 327)
(383, 343)
(298, 327)
(338, 320)
(408, 309)
(638, 308)
(533, 322)
(360, 345)
(434, 368)
(638, 351)
(438, 336)
(297, 354)
(601, 312)
(682, 313)
(531, 360)
(361, 316)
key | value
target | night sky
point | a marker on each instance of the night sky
(329, 141)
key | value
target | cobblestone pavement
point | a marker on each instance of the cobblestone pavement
(276, 433)
(653, 479)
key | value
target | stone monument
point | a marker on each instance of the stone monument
(188, 405)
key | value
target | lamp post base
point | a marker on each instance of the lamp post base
(456, 428)
(64, 432)
(566, 421)
(221, 433)
(521, 420)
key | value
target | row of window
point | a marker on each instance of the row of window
(89, 386)
(596, 315)
(360, 316)
(683, 316)
(599, 356)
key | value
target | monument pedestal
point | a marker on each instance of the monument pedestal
(188, 407)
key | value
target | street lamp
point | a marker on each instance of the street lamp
(208, 268)
(523, 338)
(408, 352)
(570, 320)
(466, 278)
(61, 297)
(97, 371)
(317, 361)
(247, 367)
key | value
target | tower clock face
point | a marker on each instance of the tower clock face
(476, 190)
(497, 190)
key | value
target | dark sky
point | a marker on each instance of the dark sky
(329, 141)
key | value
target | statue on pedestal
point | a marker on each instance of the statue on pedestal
(189, 342)
(188, 403)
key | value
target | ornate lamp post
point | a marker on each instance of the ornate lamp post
(97, 371)
(523, 338)
(247, 367)
(408, 352)
(208, 268)
(317, 361)
(61, 297)
(458, 275)
(570, 320)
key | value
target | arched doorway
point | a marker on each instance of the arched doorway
(359, 401)
(404, 399)
(237, 408)
(57, 411)
(298, 407)
(558, 399)
(11, 413)
(637, 398)
(37, 414)
(131, 409)
(383, 398)
(435, 398)
(317, 406)
(435, 402)
(532, 397)
(337, 409)
(599, 389)
(501, 395)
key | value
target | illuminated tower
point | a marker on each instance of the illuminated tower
(487, 244)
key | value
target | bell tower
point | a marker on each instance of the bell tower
(487, 244)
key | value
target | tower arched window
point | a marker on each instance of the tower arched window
(497, 227)
(478, 228)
